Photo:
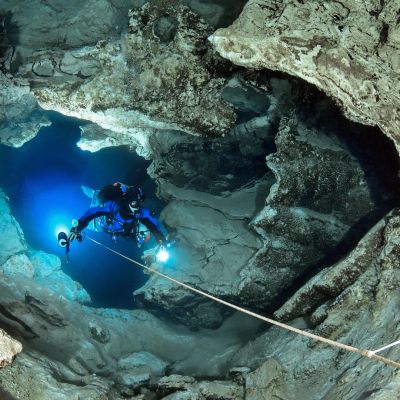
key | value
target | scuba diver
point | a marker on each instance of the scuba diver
(117, 209)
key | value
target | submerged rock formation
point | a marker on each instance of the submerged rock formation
(160, 74)
(89, 351)
(322, 201)
(20, 116)
(348, 49)
(290, 234)
(9, 348)
(355, 302)
(320, 194)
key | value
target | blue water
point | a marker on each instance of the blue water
(43, 180)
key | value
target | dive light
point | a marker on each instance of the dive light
(163, 253)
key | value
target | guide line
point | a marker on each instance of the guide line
(371, 354)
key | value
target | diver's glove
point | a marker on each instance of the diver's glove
(74, 234)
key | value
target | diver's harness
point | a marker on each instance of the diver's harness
(127, 229)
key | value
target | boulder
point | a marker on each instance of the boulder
(143, 361)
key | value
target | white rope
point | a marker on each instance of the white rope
(364, 353)
(386, 347)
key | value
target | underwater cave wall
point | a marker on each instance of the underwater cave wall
(247, 233)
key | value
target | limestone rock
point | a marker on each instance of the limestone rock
(268, 381)
(187, 395)
(79, 62)
(33, 376)
(133, 84)
(71, 24)
(172, 69)
(15, 241)
(175, 382)
(143, 361)
(99, 332)
(9, 348)
(321, 191)
(16, 259)
(331, 281)
(133, 381)
(48, 274)
(363, 314)
(238, 374)
(44, 264)
(20, 116)
(245, 98)
(348, 49)
(18, 264)
(220, 390)
(218, 13)
(186, 388)
(94, 137)
(214, 247)
(72, 351)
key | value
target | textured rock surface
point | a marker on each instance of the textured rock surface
(15, 243)
(330, 282)
(186, 387)
(160, 75)
(353, 302)
(79, 351)
(9, 348)
(37, 24)
(17, 260)
(142, 86)
(218, 12)
(39, 305)
(20, 116)
(214, 245)
(268, 381)
(348, 49)
(214, 188)
(320, 193)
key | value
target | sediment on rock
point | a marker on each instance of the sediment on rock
(347, 49)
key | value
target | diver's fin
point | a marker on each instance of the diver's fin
(89, 192)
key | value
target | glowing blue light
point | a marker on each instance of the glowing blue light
(162, 255)
(60, 228)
